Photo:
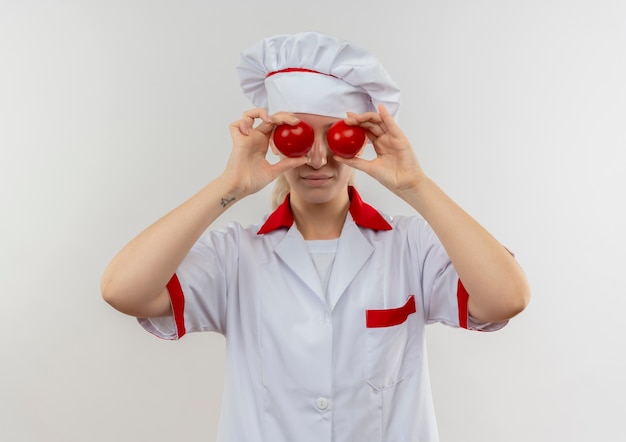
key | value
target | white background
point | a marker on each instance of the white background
(113, 112)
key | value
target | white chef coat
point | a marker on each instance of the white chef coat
(300, 369)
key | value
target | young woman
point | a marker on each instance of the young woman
(324, 302)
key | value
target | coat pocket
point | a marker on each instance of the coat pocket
(393, 344)
(390, 317)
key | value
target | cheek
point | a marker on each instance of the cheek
(290, 176)
(345, 173)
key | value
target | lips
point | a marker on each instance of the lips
(316, 179)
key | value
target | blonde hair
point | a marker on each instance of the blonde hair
(281, 189)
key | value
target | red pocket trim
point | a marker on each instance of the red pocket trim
(390, 317)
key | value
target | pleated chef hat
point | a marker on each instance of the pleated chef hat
(314, 73)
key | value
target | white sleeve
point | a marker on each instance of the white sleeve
(444, 297)
(199, 289)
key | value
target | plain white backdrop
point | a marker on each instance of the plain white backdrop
(113, 112)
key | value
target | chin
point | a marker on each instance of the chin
(320, 195)
(317, 196)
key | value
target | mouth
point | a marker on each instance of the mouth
(316, 180)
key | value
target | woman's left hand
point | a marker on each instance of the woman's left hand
(497, 286)
(396, 165)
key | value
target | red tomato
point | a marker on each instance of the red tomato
(294, 141)
(345, 141)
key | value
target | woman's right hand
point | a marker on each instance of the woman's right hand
(248, 170)
(135, 281)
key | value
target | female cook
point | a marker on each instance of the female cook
(324, 302)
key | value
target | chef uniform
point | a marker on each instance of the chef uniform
(325, 340)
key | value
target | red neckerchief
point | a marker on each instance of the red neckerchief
(363, 214)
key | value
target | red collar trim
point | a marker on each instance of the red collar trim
(363, 214)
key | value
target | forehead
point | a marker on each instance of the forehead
(317, 120)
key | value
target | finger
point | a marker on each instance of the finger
(351, 119)
(372, 117)
(390, 124)
(259, 112)
(246, 123)
(265, 116)
(285, 118)
(371, 121)
(372, 131)
(248, 118)
(287, 163)
(356, 163)
(240, 126)
(265, 128)
(375, 129)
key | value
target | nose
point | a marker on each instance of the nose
(318, 155)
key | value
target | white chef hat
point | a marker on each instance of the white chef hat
(314, 73)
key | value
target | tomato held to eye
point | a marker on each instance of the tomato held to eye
(345, 141)
(294, 141)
